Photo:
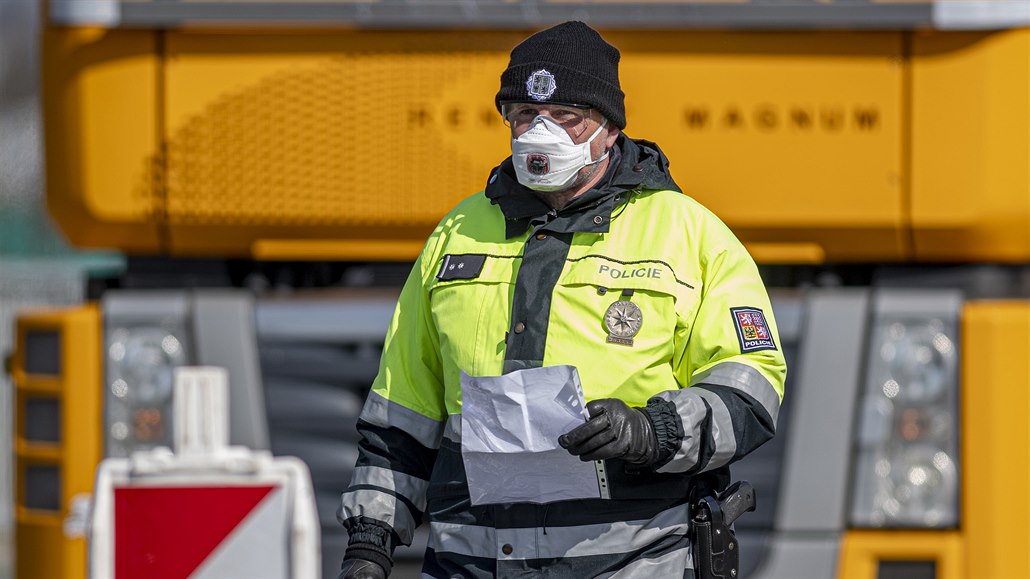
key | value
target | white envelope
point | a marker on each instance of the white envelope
(510, 426)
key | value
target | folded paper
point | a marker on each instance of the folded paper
(510, 426)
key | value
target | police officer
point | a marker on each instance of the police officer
(581, 250)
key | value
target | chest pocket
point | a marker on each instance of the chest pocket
(652, 286)
(471, 312)
(624, 317)
(651, 277)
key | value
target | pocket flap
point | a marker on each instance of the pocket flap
(474, 268)
(600, 271)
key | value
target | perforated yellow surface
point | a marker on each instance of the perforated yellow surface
(336, 136)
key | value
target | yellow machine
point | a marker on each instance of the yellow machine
(874, 157)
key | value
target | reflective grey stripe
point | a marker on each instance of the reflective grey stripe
(672, 564)
(381, 506)
(575, 541)
(472, 540)
(721, 427)
(692, 413)
(452, 430)
(747, 380)
(382, 412)
(413, 488)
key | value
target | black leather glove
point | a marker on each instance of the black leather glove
(361, 569)
(613, 431)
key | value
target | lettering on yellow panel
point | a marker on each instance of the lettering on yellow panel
(827, 119)
(452, 116)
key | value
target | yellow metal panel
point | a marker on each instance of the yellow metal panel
(995, 438)
(100, 110)
(35, 450)
(788, 137)
(285, 249)
(38, 383)
(39, 543)
(971, 146)
(786, 253)
(42, 549)
(794, 139)
(861, 552)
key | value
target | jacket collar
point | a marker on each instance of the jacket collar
(636, 165)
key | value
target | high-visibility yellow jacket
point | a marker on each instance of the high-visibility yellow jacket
(504, 283)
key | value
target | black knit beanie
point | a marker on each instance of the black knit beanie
(569, 63)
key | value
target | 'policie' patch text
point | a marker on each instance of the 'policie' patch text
(752, 330)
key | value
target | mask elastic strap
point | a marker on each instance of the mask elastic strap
(604, 122)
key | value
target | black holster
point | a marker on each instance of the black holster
(716, 554)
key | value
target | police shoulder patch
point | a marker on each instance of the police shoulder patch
(753, 331)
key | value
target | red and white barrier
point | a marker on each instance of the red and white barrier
(207, 510)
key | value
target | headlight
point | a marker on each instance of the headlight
(145, 341)
(905, 462)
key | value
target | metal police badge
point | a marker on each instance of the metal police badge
(540, 85)
(623, 320)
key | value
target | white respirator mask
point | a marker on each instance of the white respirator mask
(547, 159)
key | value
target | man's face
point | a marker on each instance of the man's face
(579, 122)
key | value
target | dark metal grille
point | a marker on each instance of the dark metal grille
(42, 420)
(43, 487)
(43, 352)
(906, 570)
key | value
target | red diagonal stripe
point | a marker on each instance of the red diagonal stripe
(167, 532)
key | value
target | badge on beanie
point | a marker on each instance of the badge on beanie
(540, 85)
